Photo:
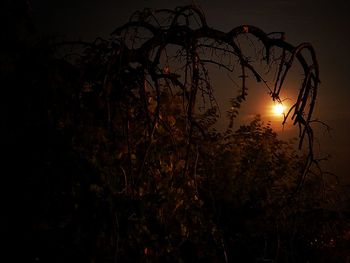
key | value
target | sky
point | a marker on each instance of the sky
(322, 23)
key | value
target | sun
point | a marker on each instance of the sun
(278, 109)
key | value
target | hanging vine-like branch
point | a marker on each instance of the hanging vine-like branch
(144, 43)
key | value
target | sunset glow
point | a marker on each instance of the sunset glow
(278, 109)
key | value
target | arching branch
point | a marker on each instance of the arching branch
(176, 34)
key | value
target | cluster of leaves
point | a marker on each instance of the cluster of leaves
(235, 200)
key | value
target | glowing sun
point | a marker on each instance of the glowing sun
(278, 109)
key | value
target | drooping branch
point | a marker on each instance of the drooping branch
(176, 33)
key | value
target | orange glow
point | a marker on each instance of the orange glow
(278, 109)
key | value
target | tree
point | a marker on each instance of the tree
(164, 55)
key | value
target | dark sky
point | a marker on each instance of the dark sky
(325, 24)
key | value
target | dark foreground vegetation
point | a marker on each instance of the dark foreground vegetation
(111, 152)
